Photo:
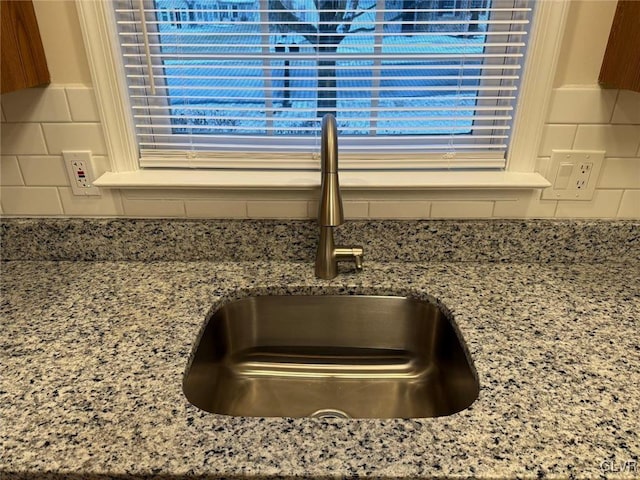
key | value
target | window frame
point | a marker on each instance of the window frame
(98, 29)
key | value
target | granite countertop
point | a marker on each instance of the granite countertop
(93, 355)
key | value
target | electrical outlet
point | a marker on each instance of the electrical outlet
(80, 172)
(573, 174)
(583, 174)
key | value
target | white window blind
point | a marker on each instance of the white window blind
(413, 83)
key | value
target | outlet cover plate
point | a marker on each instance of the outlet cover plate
(569, 178)
(80, 172)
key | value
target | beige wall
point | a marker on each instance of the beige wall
(584, 42)
(37, 124)
(62, 40)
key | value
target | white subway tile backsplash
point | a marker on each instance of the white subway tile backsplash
(108, 203)
(616, 140)
(82, 103)
(136, 207)
(582, 105)
(352, 209)
(10, 171)
(30, 201)
(74, 136)
(604, 204)
(557, 137)
(399, 209)
(22, 139)
(526, 206)
(216, 209)
(278, 209)
(630, 204)
(620, 173)
(627, 108)
(462, 209)
(36, 105)
(45, 121)
(43, 170)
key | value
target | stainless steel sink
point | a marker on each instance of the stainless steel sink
(330, 356)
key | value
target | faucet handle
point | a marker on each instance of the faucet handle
(358, 254)
(351, 253)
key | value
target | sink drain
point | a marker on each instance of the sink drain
(329, 413)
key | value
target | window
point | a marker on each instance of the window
(427, 79)
(109, 78)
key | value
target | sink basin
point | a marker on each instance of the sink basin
(330, 356)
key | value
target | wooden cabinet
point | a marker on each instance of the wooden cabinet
(621, 64)
(23, 60)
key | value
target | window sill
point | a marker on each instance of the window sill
(304, 180)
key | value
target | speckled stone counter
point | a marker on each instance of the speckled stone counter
(93, 354)
(90, 239)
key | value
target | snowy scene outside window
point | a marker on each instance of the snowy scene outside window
(228, 74)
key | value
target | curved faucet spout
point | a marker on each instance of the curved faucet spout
(329, 144)
(330, 213)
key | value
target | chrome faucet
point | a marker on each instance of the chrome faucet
(330, 212)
